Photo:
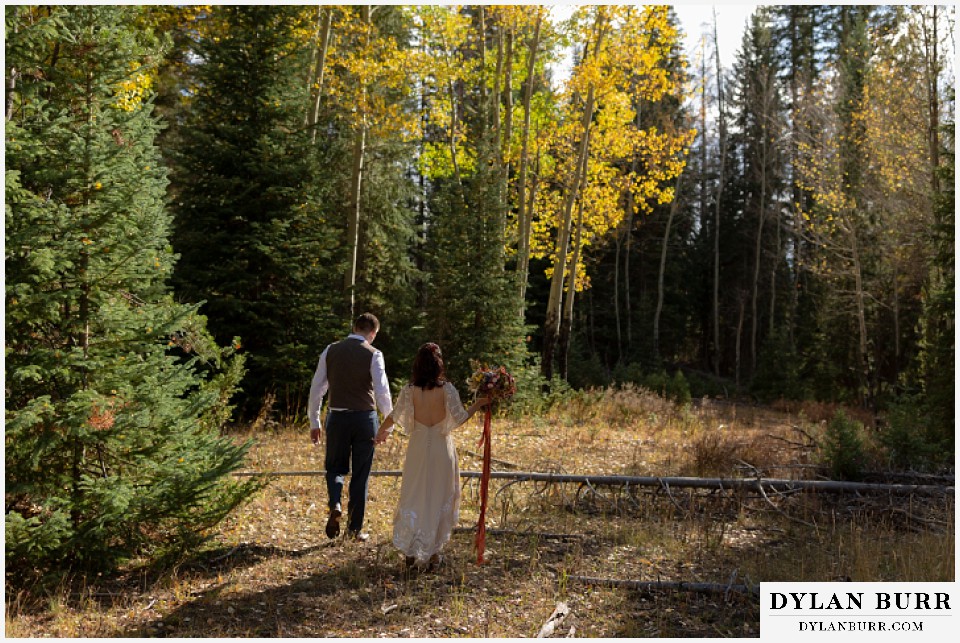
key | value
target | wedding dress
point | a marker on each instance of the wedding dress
(429, 505)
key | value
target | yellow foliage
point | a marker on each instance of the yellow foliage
(130, 92)
(628, 66)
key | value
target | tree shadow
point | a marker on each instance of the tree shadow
(224, 558)
(345, 597)
(108, 591)
(360, 590)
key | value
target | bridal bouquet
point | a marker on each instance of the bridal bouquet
(495, 383)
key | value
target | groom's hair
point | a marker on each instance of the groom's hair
(428, 371)
(366, 323)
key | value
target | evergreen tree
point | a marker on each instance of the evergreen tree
(114, 392)
(937, 359)
(759, 123)
(251, 216)
(471, 298)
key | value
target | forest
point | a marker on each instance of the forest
(198, 199)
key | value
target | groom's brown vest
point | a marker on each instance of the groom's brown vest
(348, 372)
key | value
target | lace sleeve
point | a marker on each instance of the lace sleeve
(456, 414)
(403, 410)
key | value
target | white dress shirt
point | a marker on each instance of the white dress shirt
(320, 384)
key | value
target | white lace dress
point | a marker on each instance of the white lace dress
(430, 491)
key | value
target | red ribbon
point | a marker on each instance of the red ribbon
(481, 538)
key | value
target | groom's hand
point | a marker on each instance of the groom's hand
(315, 436)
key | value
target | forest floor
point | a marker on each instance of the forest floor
(270, 571)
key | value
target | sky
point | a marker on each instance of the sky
(696, 20)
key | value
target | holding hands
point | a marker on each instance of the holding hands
(387, 427)
(385, 430)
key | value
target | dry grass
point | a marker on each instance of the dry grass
(270, 571)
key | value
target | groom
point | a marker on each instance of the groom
(353, 371)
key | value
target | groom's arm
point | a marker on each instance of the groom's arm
(381, 387)
(318, 388)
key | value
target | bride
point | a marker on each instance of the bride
(429, 408)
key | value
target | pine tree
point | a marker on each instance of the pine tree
(115, 393)
(937, 359)
(472, 299)
(250, 212)
(472, 304)
(756, 100)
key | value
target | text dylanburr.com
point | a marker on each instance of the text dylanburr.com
(848, 611)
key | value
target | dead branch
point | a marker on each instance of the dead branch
(799, 445)
(515, 532)
(811, 440)
(782, 512)
(770, 484)
(504, 463)
(680, 586)
(666, 487)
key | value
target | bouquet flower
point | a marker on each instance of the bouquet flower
(495, 383)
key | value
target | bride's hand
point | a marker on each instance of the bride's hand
(479, 404)
(384, 431)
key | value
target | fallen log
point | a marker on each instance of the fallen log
(516, 532)
(723, 484)
(657, 585)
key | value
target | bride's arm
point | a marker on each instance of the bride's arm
(385, 430)
(455, 407)
(476, 406)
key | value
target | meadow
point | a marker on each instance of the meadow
(269, 570)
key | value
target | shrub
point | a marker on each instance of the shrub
(706, 385)
(843, 448)
(907, 437)
(530, 398)
(673, 388)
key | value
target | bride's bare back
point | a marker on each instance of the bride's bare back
(429, 407)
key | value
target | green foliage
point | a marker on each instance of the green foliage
(530, 398)
(937, 347)
(674, 388)
(908, 439)
(705, 385)
(632, 373)
(844, 449)
(671, 387)
(777, 373)
(584, 368)
(115, 393)
(254, 226)
(473, 307)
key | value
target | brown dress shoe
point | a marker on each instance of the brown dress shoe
(333, 522)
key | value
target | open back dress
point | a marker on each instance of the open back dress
(429, 505)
